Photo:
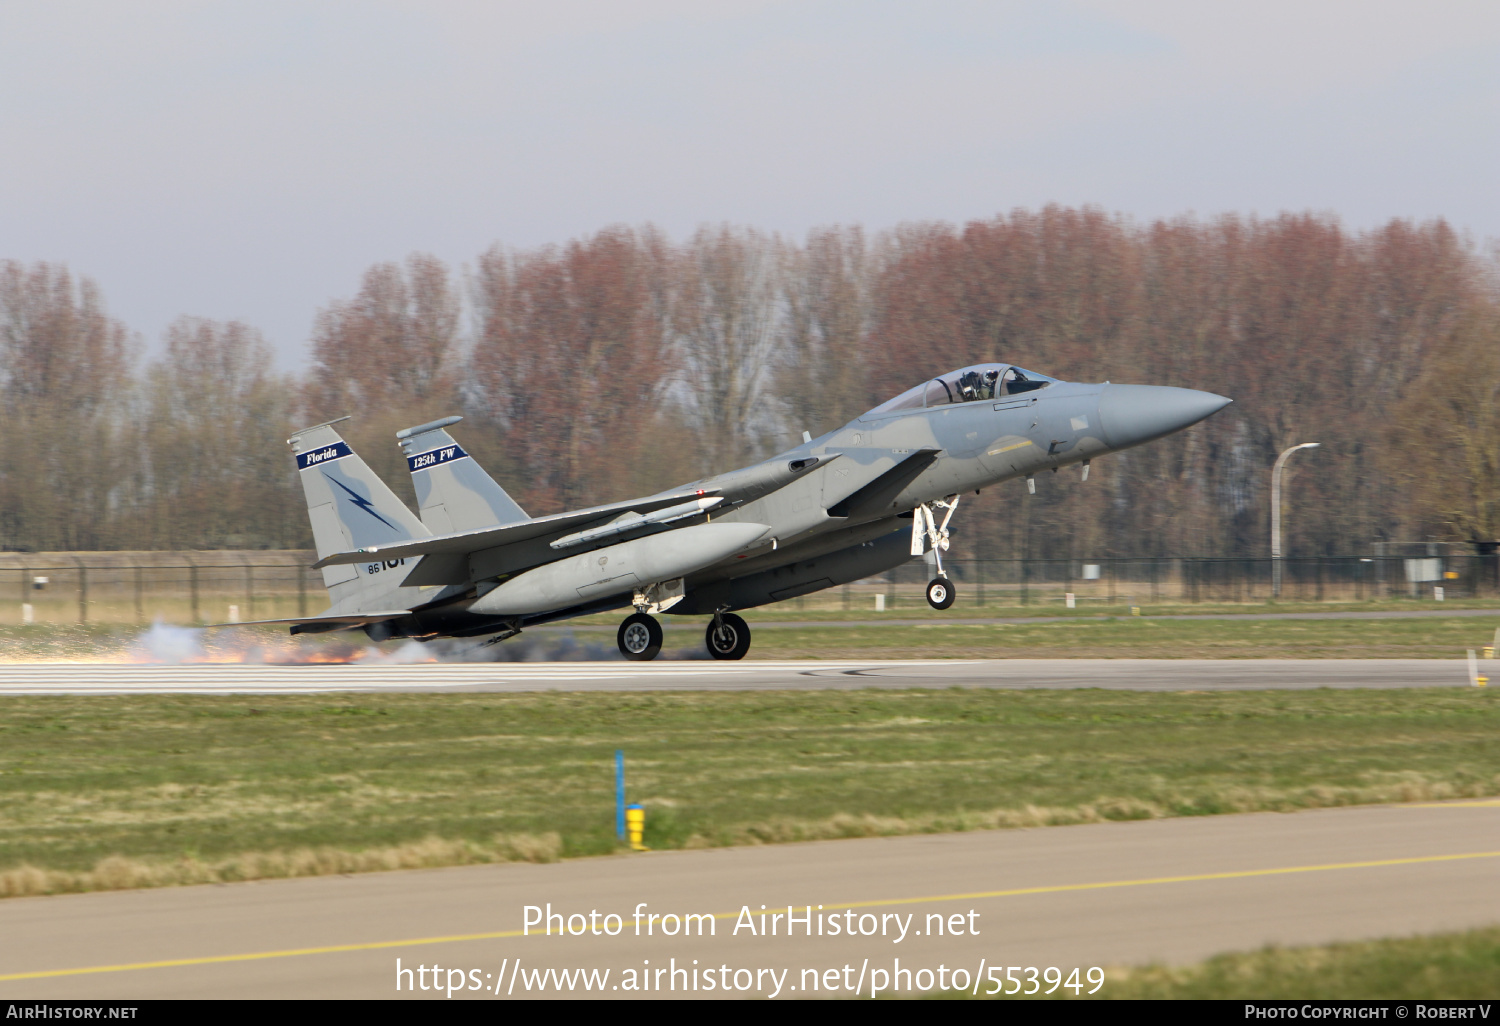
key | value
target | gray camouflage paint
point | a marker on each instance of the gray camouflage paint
(832, 510)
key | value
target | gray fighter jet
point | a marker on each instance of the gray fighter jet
(877, 492)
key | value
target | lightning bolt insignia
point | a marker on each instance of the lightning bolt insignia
(363, 503)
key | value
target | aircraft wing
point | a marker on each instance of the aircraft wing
(464, 542)
(879, 494)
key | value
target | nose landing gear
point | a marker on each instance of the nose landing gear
(926, 530)
(940, 593)
(639, 637)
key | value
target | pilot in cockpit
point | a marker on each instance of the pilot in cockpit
(972, 385)
(968, 386)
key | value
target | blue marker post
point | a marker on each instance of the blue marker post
(620, 793)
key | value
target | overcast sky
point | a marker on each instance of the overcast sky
(250, 160)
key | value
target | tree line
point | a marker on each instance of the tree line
(624, 362)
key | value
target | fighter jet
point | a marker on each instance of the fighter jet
(872, 495)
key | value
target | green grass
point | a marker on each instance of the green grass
(1453, 966)
(1135, 638)
(197, 783)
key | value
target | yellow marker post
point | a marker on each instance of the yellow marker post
(635, 826)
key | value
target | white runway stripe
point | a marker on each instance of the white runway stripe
(242, 678)
(1123, 674)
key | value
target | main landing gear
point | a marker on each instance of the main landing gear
(925, 532)
(728, 636)
(639, 637)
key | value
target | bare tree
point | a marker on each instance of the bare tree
(570, 360)
(217, 473)
(64, 382)
(387, 358)
(731, 325)
(824, 377)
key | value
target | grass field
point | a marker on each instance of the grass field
(1453, 966)
(139, 790)
(861, 636)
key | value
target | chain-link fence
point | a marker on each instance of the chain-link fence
(216, 587)
(1175, 580)
(197, 587)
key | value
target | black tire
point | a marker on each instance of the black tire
(940, 593)
(731, 639)
(639, 637)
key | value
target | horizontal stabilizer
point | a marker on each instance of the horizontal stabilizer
(506, 534)
(333, 620)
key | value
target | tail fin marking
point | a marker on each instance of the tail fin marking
(350, 507)
(453, 491)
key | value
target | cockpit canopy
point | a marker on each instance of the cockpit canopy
(982, 381)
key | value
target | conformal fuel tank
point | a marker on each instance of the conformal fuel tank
(618, 569)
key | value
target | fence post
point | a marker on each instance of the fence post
(193, 590)
(140, 599)
(83, 590)
(250, 591)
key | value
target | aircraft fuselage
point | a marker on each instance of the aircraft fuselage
(832, 510)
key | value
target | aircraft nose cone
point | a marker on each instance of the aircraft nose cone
(1132, 414)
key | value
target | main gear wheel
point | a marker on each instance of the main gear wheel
(728, 637)
(639, 637)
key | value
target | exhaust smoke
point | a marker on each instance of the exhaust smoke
(172, 644)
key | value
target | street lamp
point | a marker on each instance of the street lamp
(1276, 515)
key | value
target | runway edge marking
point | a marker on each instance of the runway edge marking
(502, 934)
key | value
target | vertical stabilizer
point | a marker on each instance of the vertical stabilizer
(352, 508)
(453, 492)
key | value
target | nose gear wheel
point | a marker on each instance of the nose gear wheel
(940, 593)
(925, 532)
(727, 637)
(639, 637)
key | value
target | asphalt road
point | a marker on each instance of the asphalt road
(1119, 674)
(1100, 895)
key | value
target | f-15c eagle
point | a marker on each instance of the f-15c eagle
(858, 501)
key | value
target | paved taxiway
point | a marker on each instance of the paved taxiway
(1127, 674)
(1105, 894)
(961, 621)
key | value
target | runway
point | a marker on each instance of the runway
(990, 621)
(1101, 895)
(1118, 674)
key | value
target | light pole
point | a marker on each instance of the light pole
(1276, 515)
